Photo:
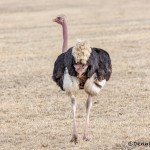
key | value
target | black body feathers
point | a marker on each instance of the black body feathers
(99, 62)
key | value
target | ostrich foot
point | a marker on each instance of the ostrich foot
(86, 138)
(74, 139)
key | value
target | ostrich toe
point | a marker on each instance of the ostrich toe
(86, 138)
(74, 139)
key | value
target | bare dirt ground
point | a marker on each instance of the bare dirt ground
(34, 113)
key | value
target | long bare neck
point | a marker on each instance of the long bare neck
(65, 37)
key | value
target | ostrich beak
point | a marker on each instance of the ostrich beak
(54, 20)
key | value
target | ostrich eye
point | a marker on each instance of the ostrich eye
(58, 18)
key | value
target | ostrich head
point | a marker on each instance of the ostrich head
(60, 19)
(81, 53)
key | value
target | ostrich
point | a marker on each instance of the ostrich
(80, 67)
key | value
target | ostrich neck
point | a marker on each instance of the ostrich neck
(65, 37)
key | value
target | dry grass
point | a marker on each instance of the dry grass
(34, 113)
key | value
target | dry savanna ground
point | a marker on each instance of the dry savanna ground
(34, 113)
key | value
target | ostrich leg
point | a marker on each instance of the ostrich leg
(74, 134)
(88, 108)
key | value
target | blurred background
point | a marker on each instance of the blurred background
(34, 112)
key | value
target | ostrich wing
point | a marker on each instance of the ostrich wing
(59, 70)
(99, 63)
(63, 60)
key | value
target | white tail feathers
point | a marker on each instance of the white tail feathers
(93, 87)
(78, 40)
(70, 83)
